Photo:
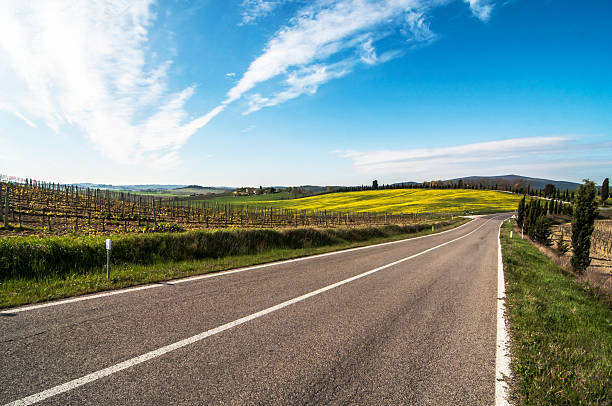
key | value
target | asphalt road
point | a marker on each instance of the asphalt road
(420, 331)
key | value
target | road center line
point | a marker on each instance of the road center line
(75, 383)
(210, 275)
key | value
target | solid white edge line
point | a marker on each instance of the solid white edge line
(75, 383)
(502, 360)
(209, 275)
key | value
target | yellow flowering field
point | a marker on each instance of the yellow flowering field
(405, 201)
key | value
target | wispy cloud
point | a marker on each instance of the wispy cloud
(86, 64)
(481, 8)
(252, 10)
(299, 82)
(495, 156)
(417, 28)
(327, 39)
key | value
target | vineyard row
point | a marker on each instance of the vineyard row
(60, 209)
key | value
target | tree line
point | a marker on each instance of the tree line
(533, 219)
(520, 186)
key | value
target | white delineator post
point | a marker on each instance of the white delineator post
(108, 248)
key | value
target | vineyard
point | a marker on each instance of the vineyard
(601, 239)
(33, 207)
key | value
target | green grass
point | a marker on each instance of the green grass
(561, 331)
(403, 201)
(253, 199)
(42, 286)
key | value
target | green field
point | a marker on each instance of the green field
(397, 201)
(253, 199)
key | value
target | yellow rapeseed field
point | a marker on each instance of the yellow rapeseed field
(405, 201)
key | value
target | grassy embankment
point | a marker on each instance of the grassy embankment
(561, 331)
(399, 201)
(36, 269)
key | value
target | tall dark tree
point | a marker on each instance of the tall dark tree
(605, 191)
(520, 218)
(375, 184)
(585, 212)
(541, 230)
(549, 190)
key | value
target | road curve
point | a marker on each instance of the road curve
(413, 322)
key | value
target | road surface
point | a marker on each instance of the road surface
(411, 322)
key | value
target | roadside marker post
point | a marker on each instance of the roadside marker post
(510, 234)
(108, 248)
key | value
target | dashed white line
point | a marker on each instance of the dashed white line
(210, 275)
(75, 383)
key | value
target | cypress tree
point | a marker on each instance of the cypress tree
(541, 232)
(532, 216)
(605, 191)
(585, 212)
(520, 218)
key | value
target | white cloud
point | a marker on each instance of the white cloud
(417, 29)
(86, 64)
(434, 163)
(304, 81)
(255, 9)
(230, 75)
(317, 33)
(25, 119)
(368, 53)
(481, 8)
(308, 51)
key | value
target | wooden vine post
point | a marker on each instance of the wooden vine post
(6, 205)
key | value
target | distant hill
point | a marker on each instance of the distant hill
(517, 180)
(153, 187)
(512, 180)
(406, 184)
(127, 187)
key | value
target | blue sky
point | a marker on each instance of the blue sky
(288, 92)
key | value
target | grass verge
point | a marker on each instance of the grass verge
(561, 331)
(21, 290)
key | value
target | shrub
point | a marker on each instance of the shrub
(34, 257)
(562, 246)
(163, 228)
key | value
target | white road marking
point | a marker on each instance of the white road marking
(209, 275)
(75, 383)
(502, 360)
